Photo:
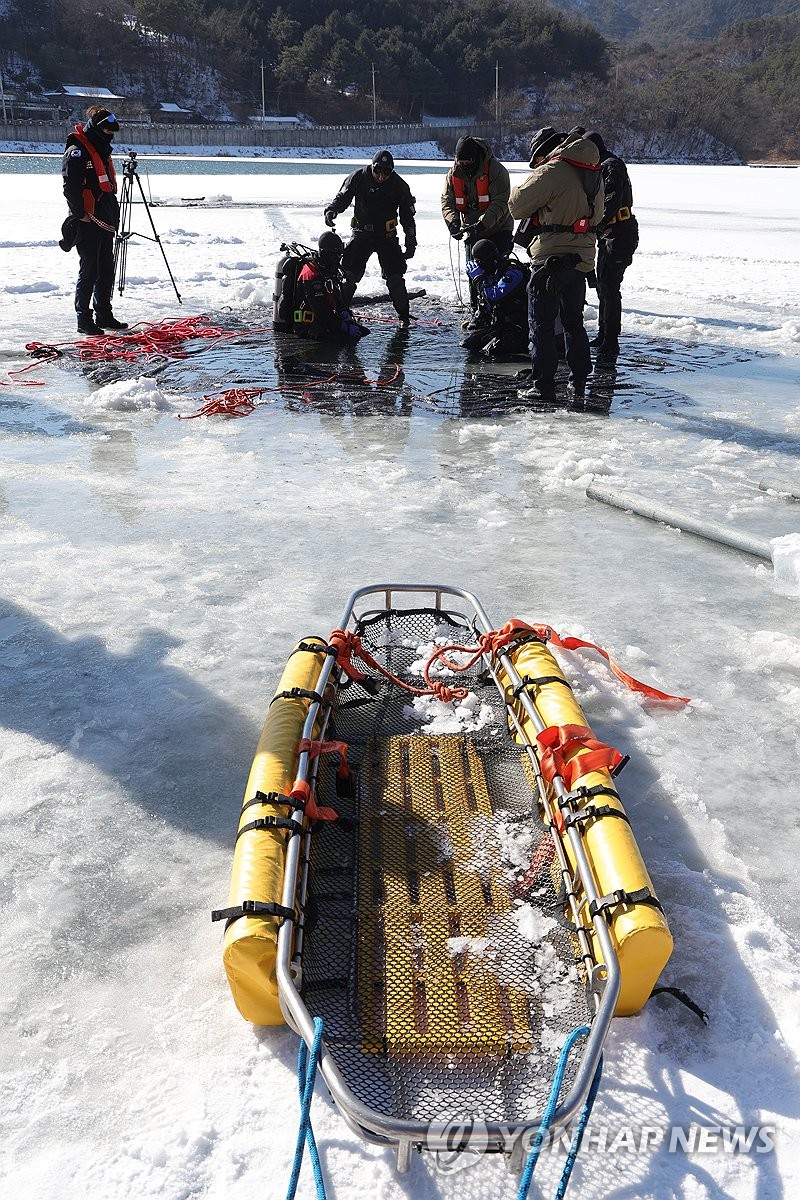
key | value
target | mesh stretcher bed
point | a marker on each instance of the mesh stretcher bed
(466, 911)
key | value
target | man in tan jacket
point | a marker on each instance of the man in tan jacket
(561, 203)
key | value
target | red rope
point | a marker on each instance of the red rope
(13, 381)
(240, 402)
(235, 402)
(146, 340)
(150, 340)
(348, 645)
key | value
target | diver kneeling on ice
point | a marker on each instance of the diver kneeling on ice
(319, 308)
(501, 283)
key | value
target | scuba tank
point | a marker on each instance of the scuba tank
(286, 271)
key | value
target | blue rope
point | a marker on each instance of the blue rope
(577, 1136)
(307, 1062)
(550, 1108)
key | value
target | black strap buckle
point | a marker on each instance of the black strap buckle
(320, 647)
(619, 897)
(294, 827)
(591, 811)
(278, 799)
(254, 908)
(297, 693)
(538, 681)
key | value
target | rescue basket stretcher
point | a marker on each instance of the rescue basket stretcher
(452, 886)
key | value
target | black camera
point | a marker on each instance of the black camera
(130, 166)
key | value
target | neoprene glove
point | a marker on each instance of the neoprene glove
(330, 217)
(411, 247)
(351, 328)
(455, 229)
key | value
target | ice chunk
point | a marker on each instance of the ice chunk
(129, 395)
(786, 564)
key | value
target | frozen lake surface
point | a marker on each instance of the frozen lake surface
(156, 572)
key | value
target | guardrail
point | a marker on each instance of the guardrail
(242, 136)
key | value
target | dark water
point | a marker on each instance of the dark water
(420, 371)
(166, 164)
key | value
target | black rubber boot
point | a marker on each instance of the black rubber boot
(608, 351)
(396, 286)
(109, 321)
(87, 326)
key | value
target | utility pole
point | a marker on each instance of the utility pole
(374, 107)
(497, 93)
(263, 107)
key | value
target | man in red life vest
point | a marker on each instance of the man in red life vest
(475, 204)
(90, 188)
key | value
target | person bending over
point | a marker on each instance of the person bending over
(475, 204)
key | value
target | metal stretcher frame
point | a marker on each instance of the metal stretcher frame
(604, 979)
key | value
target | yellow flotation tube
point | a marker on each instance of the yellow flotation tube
(639, 929)
(258, 863)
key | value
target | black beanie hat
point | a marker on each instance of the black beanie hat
(543, 142)
(103, 116)
(384, 160)
(595, 137)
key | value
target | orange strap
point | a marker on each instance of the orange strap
(558, 753)
(302, 788)
(314, 749)
(347, 644)
(301, 792)
(548, 634)
(513, 628)
(540, 862)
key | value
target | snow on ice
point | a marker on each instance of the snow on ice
(156, 572)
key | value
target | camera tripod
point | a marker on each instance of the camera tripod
(130, 171)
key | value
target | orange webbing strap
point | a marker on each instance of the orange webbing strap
(540, 862)
(347, 644)
(515, 628)
(301, 792)
(558, 753)
(314, 749)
